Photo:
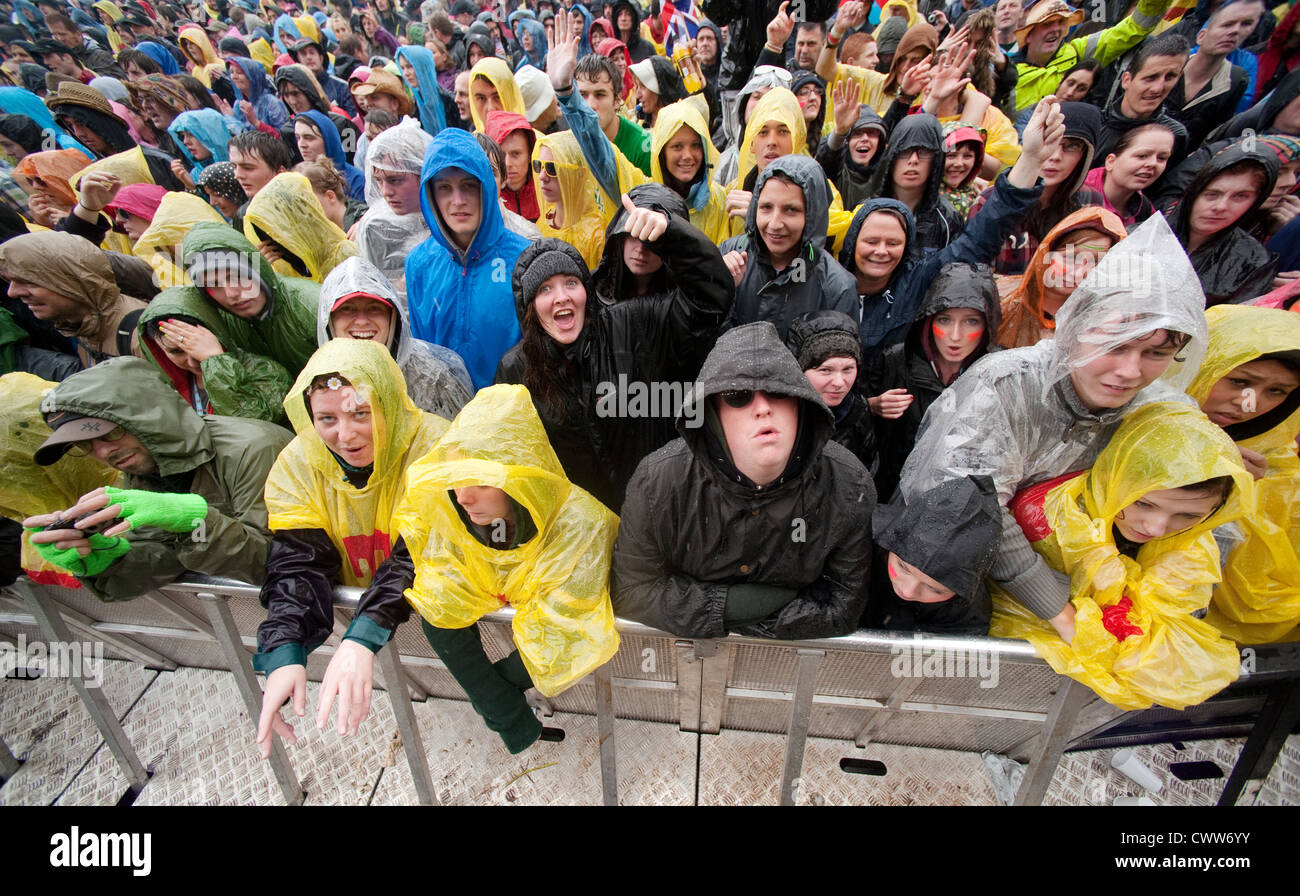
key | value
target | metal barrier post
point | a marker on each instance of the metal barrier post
(223, 624)
(9, 763)
(604, 681)
(92, 696)
(400, 697)
(1056, 731)
(1276, 721)
(800, 717)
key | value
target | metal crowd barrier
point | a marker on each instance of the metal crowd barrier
(866, 687)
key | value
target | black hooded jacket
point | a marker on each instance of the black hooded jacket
(950, 534)
(301, 77)
(702, 550)
(937, 222)
(907, 364)
(853, 424)
(851, 179)
(637, 46)
(1259, 117)
(1233, 267)
(1115, 124)
(661, 338)
(802, 80)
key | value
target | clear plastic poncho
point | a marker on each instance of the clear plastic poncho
(287, 211)
(557, 581)
(1152, 650)
(160, 244)
(384, 237)
(306, 488)
(1258, 600)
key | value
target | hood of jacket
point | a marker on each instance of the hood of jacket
(1237, 153)
(501, 124)
(373, 372)
(587, 210)
(209, 127)
(1024, 305)
(811, 179)
(921, 35)
(358, 276)
(920, 131)
(752, 357)
(1144, 283)
(534, 28)
(159, 54)
(763, 76)
(671, 119)
(951, 533)
(454, 148)
(803, 79)
(889, 206)
(1260, 117)
(498, 73)
(287, 211)
(70, 265)
(610, 276)
(778, 104)
(959, 285)
(333, 143)
(428, 98)
(255, 74)
(301, 77)
(182, 302)
(176, 214)
(197, 39)
(132, 393)
(1240, 334)
(213, 237)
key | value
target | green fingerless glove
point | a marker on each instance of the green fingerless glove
(104, 551)
(162, 510)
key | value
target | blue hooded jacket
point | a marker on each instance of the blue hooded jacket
(266, 104)
(159, 54)
(462, 299)
(19, 101)
(352, 175)
(584, 45)
(428, 100)
(537, 58)
(209, 126)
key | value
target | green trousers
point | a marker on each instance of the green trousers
(495, 690)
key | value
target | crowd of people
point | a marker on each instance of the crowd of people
(782, 319)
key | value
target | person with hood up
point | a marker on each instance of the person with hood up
(512, 132)
(626, 18)
(1062, 261)
(1063, 173)
(286, 221)
(259, 310)
(735, 117)
(420, 73)
(656, 83)
(202, 136)
(264, 107)
(829, 350)
(780, 267)
(1232, 265)
(1276, 113)
(616, 52)
(159, 245)
(178, 332)
(331, 497)
(955, 327)
(876, 90)
(317, 136)
(763, 464)
(47, 179)
(590, 348)
(492, 86)
(532, 41)
(963, 156)
(393, 224)
(573, 206)
(301, 92)
(931, 558)
(309, 53)
(70, 282)
(1249, 384)
(1026, 415)
(489, 517)
(358, 302)
(911, 170)
(458, 295)
(196, 46)
(849, 153)
(892, 277)
(810, 90)
(183, 473)
(87, 114)
(1135, 535)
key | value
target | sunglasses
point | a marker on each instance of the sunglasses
(740, 398)
(1073, 144)
(83, 448)
(549, 167)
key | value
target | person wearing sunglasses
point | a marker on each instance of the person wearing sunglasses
(755, 522)
(911, 170)
(190, 495)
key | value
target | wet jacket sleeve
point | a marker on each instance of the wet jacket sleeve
(242, 384)
(383, 606)
(301, 568)
(600, 154)
(704, 295)
(981, 240)
(94, 232)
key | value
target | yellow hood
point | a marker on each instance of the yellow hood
(587, 210)
(496, 71)
(778, 104)
(160, 244)
(289, 213)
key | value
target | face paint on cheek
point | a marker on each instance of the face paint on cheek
(893, 570)
(939, 332)
(1248, 401)
(975, 335)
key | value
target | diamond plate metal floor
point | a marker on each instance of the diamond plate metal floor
(192, 732)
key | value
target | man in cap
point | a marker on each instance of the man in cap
(191, 496)
(540, 105)
(385, 91)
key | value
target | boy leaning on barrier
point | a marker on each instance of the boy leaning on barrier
(191, 496)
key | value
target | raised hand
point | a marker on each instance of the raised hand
(949, 76)
(917, 79)
(562, 58)
(643, 224)
(851, 15)
(778, 30)
(846, 98)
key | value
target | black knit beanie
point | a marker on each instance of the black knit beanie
(545, 266)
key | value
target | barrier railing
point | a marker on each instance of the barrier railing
(958, 693)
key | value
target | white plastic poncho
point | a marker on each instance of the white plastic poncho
(384, 237)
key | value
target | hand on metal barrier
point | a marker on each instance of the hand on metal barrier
(100, 551)
(284, 682)
(350, 676)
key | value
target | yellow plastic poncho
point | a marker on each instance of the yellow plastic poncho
(160, 244)
(287, 211)
(1176, 660)
(1258, 600)
(114, 14)
(197, 39)
(587, 210)
(27, 488)
(907, 6)
(130, 168)
(496, 71)
(262, 53)
(557, 581)
(306, 488)
(779, 104)
(707, 214)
